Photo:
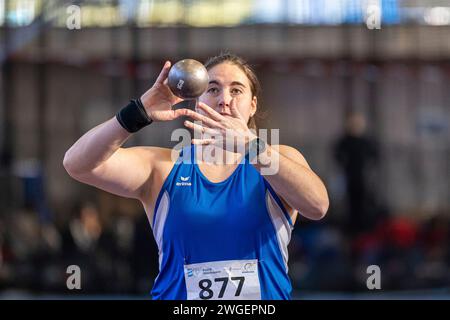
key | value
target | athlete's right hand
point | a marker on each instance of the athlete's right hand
(158, 100)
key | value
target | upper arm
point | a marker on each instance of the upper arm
(294, 155)
(125, 173)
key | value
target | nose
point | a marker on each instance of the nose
(224, 102)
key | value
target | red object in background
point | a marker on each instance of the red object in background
(366, 242)
(401, 232)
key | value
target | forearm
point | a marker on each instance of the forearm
(95, 147)
(296, 183)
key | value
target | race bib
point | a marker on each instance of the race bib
(227, 280)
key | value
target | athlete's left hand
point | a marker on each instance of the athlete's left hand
(228, 132)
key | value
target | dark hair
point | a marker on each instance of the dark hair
(255, 86)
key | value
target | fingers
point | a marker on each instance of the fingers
(196, 116)
(180, 113)
(202, 141)
(234, 110)
(210, 111)
(164, 73)
(202, 129)
(207, 121)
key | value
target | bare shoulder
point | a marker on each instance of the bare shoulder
(162, 162)
(157, 159)
(291, 153)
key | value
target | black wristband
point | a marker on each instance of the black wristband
(133, 116)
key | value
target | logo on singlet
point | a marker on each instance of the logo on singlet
(184, 182)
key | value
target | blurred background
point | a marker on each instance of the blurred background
(360, 87)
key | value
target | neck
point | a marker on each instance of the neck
(213, 155)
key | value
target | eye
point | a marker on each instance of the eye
(236, 91)
(213, 90)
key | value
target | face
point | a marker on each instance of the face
(227, 81)
(356, 124)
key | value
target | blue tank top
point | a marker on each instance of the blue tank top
(197, 221)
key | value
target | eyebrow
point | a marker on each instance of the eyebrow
(234, 83)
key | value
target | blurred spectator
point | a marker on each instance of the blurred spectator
(89, 245)
(356, 153)
(392, 245)
(24, 237)
(434, 242)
